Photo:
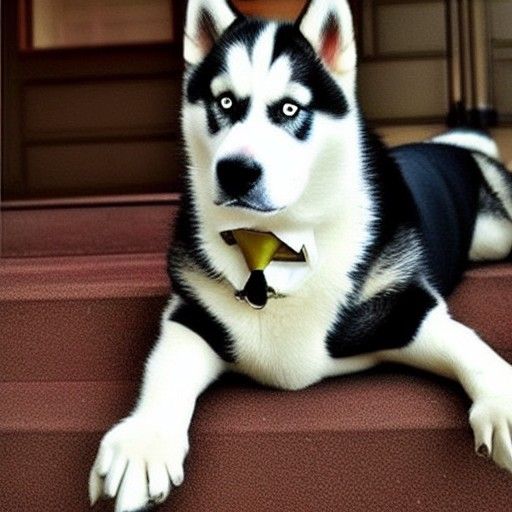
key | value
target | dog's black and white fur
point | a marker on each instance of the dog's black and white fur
(276, 142)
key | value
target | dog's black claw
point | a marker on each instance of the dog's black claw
(483, 451)
(147, 508)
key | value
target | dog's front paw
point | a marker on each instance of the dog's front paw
(491, 421)
(138, 462)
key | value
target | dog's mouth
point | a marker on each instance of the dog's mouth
(248, 205)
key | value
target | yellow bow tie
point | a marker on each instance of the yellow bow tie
(259, 249)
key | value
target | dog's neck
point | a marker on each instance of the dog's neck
(280, 258)
(259, 249)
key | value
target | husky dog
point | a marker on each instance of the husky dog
(370, 240)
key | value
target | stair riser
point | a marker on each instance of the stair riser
(404, 470)
(93, 229)
(77, 340)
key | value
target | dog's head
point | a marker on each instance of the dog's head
(269, 113)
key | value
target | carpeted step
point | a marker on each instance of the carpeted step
(79, 318)
(96, 318)
(382, 441)
(74, 336)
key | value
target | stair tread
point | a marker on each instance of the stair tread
(96, 318)
(76, 277)
(119, 275)
(336, 444)
(379, 400)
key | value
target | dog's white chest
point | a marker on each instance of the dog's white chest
(280, 351)
(282, 345)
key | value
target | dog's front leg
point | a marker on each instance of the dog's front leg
(451, 349)
(141, 458)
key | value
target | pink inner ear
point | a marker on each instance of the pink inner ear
(330, 47)
(207, 32)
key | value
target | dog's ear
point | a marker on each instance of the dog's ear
(206, 21)
(327, 25)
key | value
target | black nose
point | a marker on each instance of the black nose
(237, 176)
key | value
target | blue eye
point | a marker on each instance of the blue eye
(226, 102)
(290, 109)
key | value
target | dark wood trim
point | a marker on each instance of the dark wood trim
(12, 176)
(63, 50)
(469, 71)
(405, 2)
(502, 43)
(365, 34)
(96, 201)
(480, 53)
(178, 15)
(98, 78)
(25, 25)
(453, 52)
(464, 14)
(375, 31)
(406, 121)
(138, 62)
(392, 57)
(101, 137)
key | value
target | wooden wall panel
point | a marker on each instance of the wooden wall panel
(121, 106)
(403, 90)
(72, 23)
(503, 87)
(402, 70)
(410, 28)
(91, 121)
(501, 34)
(103, 168)
(501, 19)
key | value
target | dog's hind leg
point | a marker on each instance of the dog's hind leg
(448, 348)
(492, 237)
